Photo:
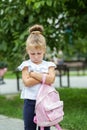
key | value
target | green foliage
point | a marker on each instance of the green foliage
(3, 65)
(81, 45)
(16, 16)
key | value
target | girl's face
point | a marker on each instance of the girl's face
(36, 55)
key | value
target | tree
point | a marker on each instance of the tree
(16, 16)
(12, 31)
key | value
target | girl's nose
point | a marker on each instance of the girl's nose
(36, 56)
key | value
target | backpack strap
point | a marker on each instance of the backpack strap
(43, 82)
(58, 127)
(43, 78)
(41, 128)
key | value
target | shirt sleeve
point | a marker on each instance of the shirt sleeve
(22, 65)
(51, 64)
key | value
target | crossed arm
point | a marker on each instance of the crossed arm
(33, 78)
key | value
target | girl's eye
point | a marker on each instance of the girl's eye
(32, 53)
(39, 53)
(35, 54)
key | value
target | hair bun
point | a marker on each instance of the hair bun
(36, 29)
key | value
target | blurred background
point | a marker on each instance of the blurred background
(64, 21)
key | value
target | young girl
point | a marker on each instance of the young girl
(32, 72)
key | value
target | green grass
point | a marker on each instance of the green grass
(75, 107)
(11, 75)
(11, 105)
(78, 73)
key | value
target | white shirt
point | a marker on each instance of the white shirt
(31, 92)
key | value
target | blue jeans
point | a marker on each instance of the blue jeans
(29, 113)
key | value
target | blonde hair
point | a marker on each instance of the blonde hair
(36, 38)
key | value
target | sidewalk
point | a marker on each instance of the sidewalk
(75, 81)
(10, 123)
(7, 123)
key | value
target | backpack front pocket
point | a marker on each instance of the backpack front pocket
(54, 111)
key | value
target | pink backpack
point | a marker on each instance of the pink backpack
(49, 108)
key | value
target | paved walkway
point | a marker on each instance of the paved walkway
(10, 123)
(7, 123)
(10, 87)
(75, 81)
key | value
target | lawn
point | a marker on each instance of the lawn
(10, 74)
(75, 107)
